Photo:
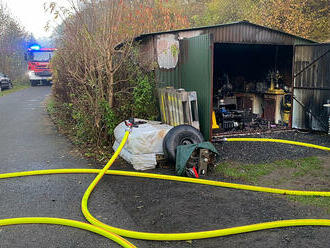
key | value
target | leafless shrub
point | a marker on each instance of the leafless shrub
(89, 66)
(13, 42)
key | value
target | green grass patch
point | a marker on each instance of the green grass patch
(16, 87)
(50, 107)
(317, 201)
(253, 172)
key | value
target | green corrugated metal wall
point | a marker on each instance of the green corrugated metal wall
(196, 76)
(193, 73)
(169, 77)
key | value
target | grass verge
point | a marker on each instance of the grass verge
(317, 201)
(16, 87)
(252, 173)
(282, 174)
(57, 113)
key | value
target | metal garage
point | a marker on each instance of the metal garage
(250, 76)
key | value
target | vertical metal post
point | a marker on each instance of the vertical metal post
(328, 107)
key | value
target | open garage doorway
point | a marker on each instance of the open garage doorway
(252, 87)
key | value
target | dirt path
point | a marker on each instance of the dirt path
(29, 141)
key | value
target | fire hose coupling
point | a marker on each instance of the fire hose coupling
(130, 123)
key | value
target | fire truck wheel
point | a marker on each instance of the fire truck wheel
(180, 135)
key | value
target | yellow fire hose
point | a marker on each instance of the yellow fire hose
(66, 222)
(56, 221)
(113, 232)
(280, 141)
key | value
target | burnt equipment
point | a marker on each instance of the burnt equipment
(233, 119)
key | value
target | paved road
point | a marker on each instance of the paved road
(28, 141)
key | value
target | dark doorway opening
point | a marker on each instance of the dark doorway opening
(252, 87)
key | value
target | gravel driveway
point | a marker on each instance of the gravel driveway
(260, 152)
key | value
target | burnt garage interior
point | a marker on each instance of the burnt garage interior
(252, 85)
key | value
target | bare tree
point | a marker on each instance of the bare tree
(88, 59)
(13, 40)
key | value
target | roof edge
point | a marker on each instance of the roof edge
(223, 25)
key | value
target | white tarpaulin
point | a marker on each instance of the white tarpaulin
(143, 143)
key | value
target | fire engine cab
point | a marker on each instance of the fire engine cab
(38, 65)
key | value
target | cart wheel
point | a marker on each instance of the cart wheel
(180, 135)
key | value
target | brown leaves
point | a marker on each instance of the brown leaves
(306, 18)
(88, 59)
(292, 16)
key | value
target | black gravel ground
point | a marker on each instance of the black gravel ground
(260, 152)
(29, 141)
(178, 207)
(162, 206)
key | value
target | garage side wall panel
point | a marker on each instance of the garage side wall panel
(168, 77)
(311, 87)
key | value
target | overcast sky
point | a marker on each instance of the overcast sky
(31, 14)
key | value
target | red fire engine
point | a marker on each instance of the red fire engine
(38, 65)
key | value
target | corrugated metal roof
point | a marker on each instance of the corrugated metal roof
(231, 35)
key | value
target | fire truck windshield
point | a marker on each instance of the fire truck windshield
(40, 56)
